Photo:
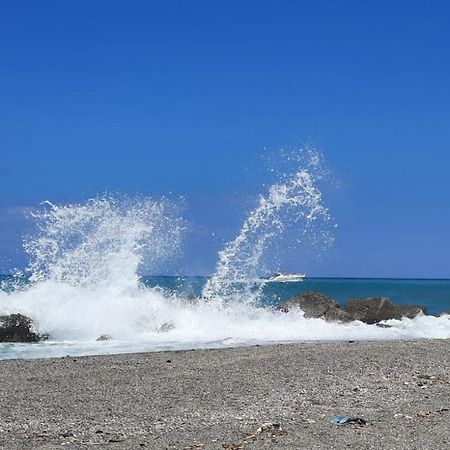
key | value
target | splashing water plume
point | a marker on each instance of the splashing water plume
(296, 199)
(102, 242)
(85, 263)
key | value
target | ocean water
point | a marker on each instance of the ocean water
(168, 313)
(433, 294)
(84, 279)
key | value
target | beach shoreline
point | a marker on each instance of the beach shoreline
(219, 398)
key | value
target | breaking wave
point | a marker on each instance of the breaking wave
(84, 279)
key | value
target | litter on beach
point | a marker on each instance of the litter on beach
(345, 420)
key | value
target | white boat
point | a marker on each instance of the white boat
(280, 277)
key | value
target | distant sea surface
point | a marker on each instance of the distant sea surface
(433, 294)
(168, 313)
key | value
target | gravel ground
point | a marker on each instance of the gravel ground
(218, 399)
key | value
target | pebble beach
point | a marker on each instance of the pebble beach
(268, 397)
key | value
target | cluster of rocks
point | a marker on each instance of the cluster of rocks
(370, 310)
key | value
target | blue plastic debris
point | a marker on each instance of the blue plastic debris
(339, 420)
(344, 420)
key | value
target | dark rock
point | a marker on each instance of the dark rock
(18, 328)
(270, 428)
(104, 337)
(370, 310)
(383, 325)
(375, 309)
(166, 327)
(317, 306)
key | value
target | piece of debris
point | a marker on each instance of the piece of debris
(423, 413)
(345, 420)
(250, 437)
(269, 426)
(426, 376)
(271, 429)
(67, 434)
(233, 446)
(402, 416)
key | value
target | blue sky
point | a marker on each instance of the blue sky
(190, 97)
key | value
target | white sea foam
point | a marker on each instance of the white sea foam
(146, 319)
(85, 262)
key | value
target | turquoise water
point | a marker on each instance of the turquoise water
(167, 313)
(433, 294)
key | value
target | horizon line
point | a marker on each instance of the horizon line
(306, 277)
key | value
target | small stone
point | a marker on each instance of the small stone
(67, 434)
(269, 426)
(104, 337)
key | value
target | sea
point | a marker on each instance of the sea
(84, 285)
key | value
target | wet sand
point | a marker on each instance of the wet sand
(216, 399)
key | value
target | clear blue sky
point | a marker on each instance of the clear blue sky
(187, 97)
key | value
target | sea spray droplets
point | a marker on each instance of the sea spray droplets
(75, 308)
(103, 241)
(296, 199)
